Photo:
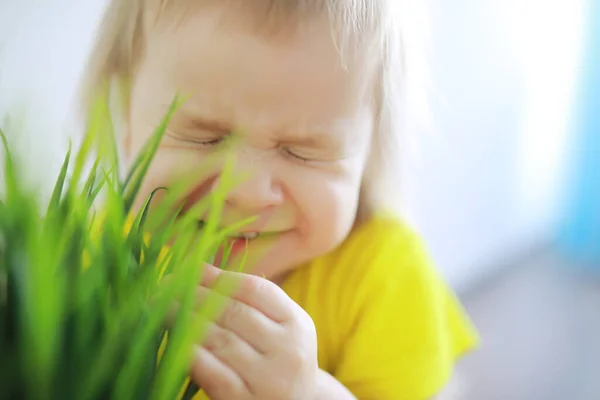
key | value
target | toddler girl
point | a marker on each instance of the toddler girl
(309, 95)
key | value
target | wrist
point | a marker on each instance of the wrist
(329, 388)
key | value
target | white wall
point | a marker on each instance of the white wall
(43, 44)
(489, 184)
(486, 186)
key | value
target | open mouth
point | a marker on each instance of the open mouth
(238, 243)
(249, 235)
(246, 235)
(235, 245)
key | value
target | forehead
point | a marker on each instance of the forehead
(232, 73)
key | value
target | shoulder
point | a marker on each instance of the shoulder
(390, 290)
(378, 257)
(384, 251)
(381, 230)
(391, 273)
(381, 271)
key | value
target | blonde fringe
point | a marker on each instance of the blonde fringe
(394, 30)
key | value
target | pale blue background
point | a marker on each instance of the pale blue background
(580, 234)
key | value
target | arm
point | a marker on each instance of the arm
(328, 388)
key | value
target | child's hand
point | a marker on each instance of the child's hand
(263, 347)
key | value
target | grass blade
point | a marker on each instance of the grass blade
(133, 182)
(60, 183)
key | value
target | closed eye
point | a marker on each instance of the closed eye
(212, 142)
(294, 155)
(199, 142)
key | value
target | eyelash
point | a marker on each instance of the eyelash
(215, 142)
(294, 156)
(206, 143)
(210, 143)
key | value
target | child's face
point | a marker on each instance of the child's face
(304, 126)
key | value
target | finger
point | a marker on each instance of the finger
(233, 351)
(174, 307)
(248, 323)
(210, 274)
(254, 291)
(215, 378)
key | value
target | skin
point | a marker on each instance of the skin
(302, 125)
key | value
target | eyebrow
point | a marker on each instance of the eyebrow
(207, 124)
(309, 139)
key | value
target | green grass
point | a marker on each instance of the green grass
(83, 309)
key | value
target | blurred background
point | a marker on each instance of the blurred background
(506, 192)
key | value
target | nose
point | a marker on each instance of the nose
(257, 190)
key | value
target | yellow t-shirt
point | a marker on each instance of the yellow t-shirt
(388, 326)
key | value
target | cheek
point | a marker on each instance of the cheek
(332, 206)
(158, 175)
(327, 204)
(167, 168)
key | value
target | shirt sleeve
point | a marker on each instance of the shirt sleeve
(409, 329)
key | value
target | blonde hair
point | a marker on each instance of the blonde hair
(392, 29)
